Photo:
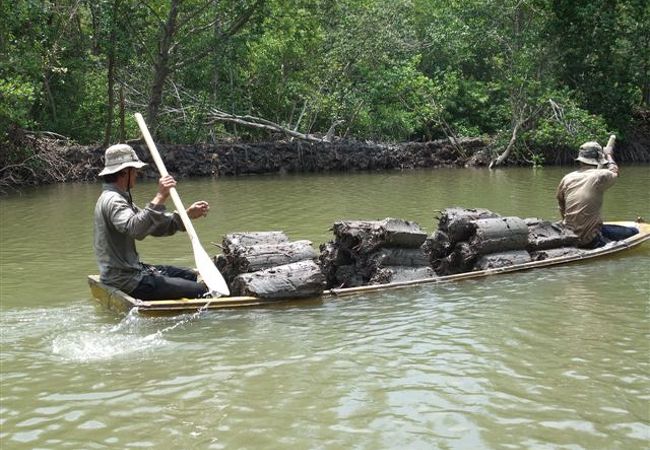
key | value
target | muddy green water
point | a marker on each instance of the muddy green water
(555, 358)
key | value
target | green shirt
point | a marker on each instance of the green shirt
(117, 224)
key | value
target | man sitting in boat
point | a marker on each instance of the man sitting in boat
(580, 196)
(118, 223)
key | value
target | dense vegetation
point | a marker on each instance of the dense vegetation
(537, 73)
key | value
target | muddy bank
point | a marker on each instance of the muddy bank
(58, 161)
(300, 157)
(53, 160)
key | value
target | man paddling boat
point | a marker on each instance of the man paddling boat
(118, 222)
(580, 196)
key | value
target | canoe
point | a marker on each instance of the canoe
(118, 301)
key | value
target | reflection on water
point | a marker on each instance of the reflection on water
(555, 358)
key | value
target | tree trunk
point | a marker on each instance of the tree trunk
(111, 73)
(503, 156)
(122, 115)
(162, 65)
(111, 98)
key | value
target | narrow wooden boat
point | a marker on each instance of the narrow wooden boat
(118, 301)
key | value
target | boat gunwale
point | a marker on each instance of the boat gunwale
(113, 295)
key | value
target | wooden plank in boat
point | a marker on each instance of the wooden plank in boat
(117, 300)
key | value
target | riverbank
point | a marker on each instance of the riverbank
(55, 160)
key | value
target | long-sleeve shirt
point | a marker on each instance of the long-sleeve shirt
(117, 224)
(580, 197)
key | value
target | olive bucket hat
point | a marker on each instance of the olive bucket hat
(591, 153)
(119, 156)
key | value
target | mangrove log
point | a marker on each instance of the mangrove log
(366, 236)
(233, 241)
(499, 235)
(296, 280)
(502, 259)
(394, 274)
(264, 256)
(347, 276)
(408, 257)
(458, 222)
(460, 260)
(544, 235)
(541, 255)
(437, 246)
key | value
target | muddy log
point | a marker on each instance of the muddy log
(234, 241)
(331, 257)
(437, 246)
(458, 223)
(296, 280)
(555, 253)
(408, 257)
(347, 276)
(544, 235)
(394, 274)
(499, 235)
(364, 237)
(502, 259)
(264, 256)
(328, 261)
(227, 270)
(460, 260)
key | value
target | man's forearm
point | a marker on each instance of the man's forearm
(609, 148)
(609, 155)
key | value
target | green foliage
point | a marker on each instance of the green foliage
(537, 160)
(16, 96)
(390, 70)
(603, 56)
(566, 125)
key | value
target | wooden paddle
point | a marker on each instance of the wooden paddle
(209, 272)
(610, 145)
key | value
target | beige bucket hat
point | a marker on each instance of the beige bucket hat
(591, 153)
(119, 156)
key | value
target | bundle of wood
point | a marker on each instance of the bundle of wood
(374, 252)
(458, 223)
(476, 239)
(268, 264)
(479, 239)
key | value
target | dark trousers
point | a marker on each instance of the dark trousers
(610, 233)
(168, 283)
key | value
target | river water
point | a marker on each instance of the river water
(554, 358)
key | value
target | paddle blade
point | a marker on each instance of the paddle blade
(209, 272)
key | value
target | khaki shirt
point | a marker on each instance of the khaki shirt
(580, 196)
(117, 224)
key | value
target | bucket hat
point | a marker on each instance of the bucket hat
(591, 153)
(119, 156)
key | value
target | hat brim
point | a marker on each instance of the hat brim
(114, 169)
(590, 161)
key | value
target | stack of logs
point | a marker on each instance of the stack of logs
(479, 239)
(268, 265)
(374, 252)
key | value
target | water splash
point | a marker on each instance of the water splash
(187, 319)
(128, 337)
(87, 346)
